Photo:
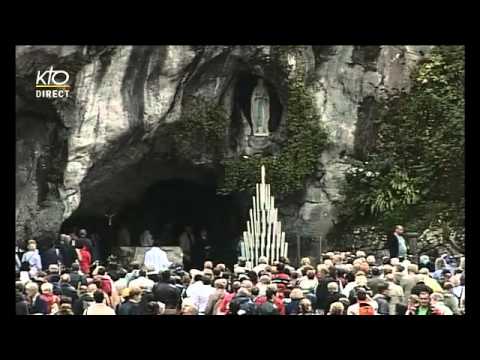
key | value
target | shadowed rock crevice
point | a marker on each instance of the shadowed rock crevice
(365, 132)
(41, 155)
(133, 84)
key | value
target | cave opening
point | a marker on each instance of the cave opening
(165, 208)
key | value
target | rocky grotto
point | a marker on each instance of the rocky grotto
(105, 156)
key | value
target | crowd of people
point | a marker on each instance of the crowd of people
(67, 280)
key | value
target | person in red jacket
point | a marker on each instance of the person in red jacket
(84, 257)
(52, 300)
(277, 300)
(224, 306)
(281, 277)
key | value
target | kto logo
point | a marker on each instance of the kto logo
(52, 84)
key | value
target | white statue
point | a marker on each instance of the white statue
(260, 109)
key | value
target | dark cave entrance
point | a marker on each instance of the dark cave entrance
(165, 208)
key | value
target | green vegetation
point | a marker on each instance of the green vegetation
(201, 131)
(288, 170)
(415, 174)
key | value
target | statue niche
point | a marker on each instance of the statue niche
(260, 109)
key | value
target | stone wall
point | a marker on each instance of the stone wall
(105, 145)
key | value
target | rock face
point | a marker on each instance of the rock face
(106, 144)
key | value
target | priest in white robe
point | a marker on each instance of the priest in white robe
(156, 259)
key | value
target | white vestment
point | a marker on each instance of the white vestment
(156, 259)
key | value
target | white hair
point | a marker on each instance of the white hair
(437, 296)
(262, 260)
(265, 279)
(394, 261)
(66, 238)
(31, 286)
(243, 291)
(46, 287)
(361, 280)
(247, 284)
(332, 286)
(273, 287)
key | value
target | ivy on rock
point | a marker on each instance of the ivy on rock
(287, 171)
(201, 131)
